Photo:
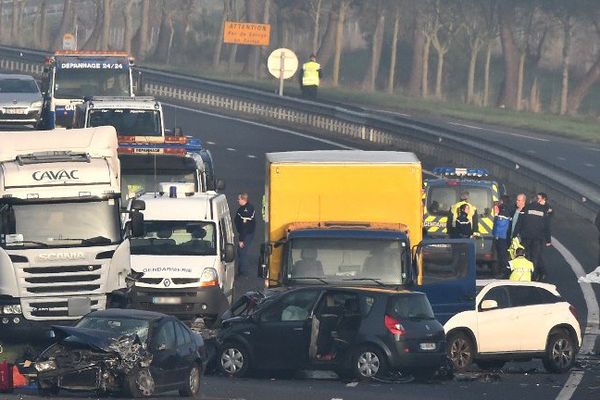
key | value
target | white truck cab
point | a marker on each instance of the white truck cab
(186, 254)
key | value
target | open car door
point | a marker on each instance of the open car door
(446, 274)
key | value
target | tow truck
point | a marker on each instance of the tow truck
(71, 76)
(442, 192)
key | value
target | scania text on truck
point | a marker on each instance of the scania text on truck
(186, 254)
(62, 253)
(71, 76)
(349, 217)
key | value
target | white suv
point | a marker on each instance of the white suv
(515, 321)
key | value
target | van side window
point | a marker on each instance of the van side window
(444, 262)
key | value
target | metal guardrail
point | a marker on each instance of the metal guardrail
(433, 143)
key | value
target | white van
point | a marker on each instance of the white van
(186, 255)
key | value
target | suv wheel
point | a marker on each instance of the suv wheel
(368, 362)
(460, 351)
(560, 353)
(192, 385)
(233, 360)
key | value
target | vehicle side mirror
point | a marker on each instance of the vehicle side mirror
(138, 205)
(136, 222)
(263, 263)
(488, 305)
(220, 184)
(229, 253)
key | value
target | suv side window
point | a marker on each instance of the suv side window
(500, 294)
(528, 296)
(295, 306)
(166, 336)
(183, 337)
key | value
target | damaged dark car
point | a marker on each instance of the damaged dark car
(130, 352)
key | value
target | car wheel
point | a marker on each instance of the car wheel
(560, 353)
(423, 375)
(139, 383)
(460, 351)
(234, 360)
(368, 362)
(47, 390)
(490, 364)
(192, 385)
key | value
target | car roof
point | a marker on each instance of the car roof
(128, 313)
(366, 289)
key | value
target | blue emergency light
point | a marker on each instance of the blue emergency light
(188, 143)
(461, 172)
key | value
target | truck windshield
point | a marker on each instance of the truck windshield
(441, 198)
(134, 184)
(60, 224)
(182, 238)
(80, 83)
(344, 260)
(128, 122)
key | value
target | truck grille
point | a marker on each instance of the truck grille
(54, 308)
(63, 280)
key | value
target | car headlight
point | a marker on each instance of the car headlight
(209, 277)
(12, 309)
(36, 104)
(45, 366)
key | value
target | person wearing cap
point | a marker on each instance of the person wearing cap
(245, 224)
(310, 78)
(520, 267)
(454, 213)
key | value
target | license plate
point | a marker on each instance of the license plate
(428, 346)
(148, 150)
(166, 300)
(14, 110)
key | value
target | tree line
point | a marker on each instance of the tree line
(482, 52)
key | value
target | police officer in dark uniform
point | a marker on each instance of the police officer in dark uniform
(534, 230)
(245, 224)
(597, 222)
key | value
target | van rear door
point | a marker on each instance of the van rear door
(446, 274)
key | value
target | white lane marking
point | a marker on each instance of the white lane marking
(531, 151)
(592, 329)
(592, 148)
(231, 149)
(523, 136)
(274, 128)
(352, 384)
(589, 165)
(561, 158)
(393, 113)
(251, 156)
(465, 125)
(209, 142)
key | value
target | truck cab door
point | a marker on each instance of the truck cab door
(446, 274)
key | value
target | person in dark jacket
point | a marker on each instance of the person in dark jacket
(245, 224)
(534, 231)
(463, 228)
(501, 233)
(597, 222)
(517, 213)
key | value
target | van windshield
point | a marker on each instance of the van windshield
(412, 306)
(347, 260)
(128, 122)
(441, 198)
(136, 183)
(176, 238)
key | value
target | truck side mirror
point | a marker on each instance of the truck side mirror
(136, 222)
(220, 184)
(229, 253)
(138, 205)
(263, 263)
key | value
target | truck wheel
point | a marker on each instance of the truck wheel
(460, 351)
(234, 360)
(560, 352)
(192, 384)
(368, 362)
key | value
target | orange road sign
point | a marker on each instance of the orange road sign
(247, 33)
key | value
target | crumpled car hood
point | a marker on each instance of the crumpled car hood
(100, 340)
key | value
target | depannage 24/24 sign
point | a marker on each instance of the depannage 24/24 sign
(247, 33)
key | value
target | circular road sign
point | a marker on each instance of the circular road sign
(282, 61)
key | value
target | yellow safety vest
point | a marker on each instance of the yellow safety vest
(310, 75)
(456, 206)
(521, 269)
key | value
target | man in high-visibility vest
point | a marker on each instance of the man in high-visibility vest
(521, 268)
(310, 78)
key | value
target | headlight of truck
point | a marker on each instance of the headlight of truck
(209, 277)
(12, 309)
(36, 104)
(45, 366)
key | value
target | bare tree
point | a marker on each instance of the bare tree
(64, 24)
(106, 24)
(567, 25)
(219, 42)
(394, 50)
(418, 44)
(445, 29)
(316, 7)
(128, 26)
(376, 46)
(144, 45)
(506, 13)
(328, 42)
(339, 40)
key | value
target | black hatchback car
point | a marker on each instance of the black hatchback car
(358, 332)
(132, 352)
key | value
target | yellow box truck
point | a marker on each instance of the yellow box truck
(347, 217)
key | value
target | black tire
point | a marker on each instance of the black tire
(368, 362)
(424, 375)
(233, 359)
(490, 364)
(47, 391)
(192, 385)
(136, 379)
(461, 351)
(560, 352)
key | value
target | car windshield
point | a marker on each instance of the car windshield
(128, 122)
(80, 83)
(176, 238)
(18, 86)
(441, 198)
(136, 183)
(60, 224)
(117, 326)
(347, 260)
(413, 306)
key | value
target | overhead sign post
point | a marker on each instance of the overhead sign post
(282, 64)
(247, 33)
(69, 42)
